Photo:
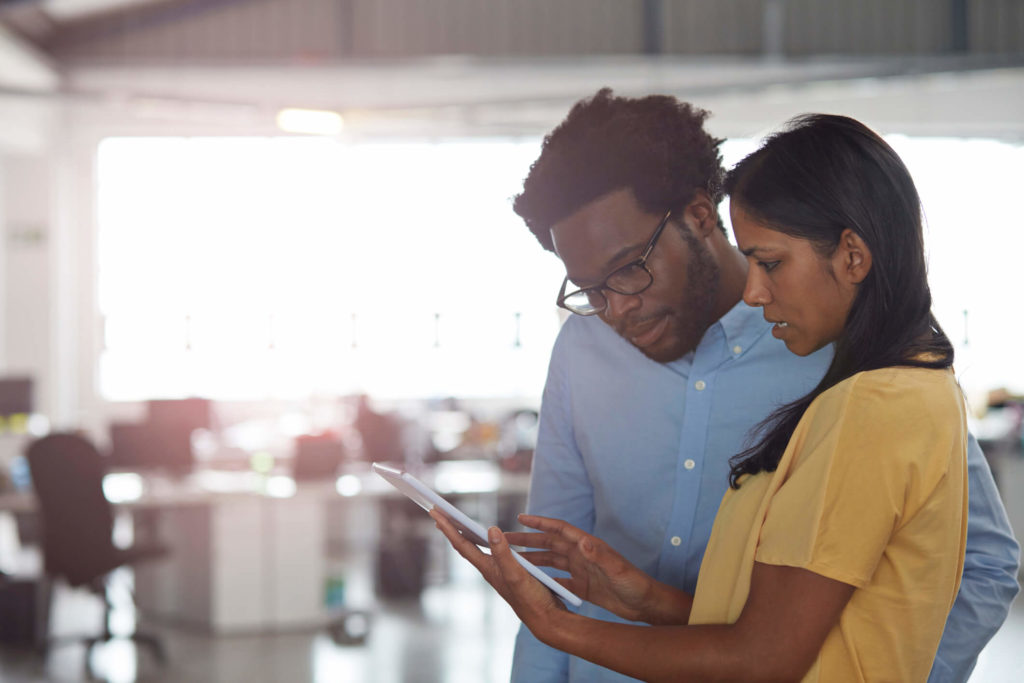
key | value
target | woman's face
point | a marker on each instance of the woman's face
(808, 296)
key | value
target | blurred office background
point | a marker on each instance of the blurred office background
(249, 246)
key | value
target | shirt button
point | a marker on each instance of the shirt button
(676, 541)
(700, 385)
(737, 349)
(689, 464)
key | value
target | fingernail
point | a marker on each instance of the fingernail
(494, 535)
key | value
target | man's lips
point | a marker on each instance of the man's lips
(648, 333)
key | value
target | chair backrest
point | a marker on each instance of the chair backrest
(67, 475)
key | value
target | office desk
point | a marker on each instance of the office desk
(248, 552)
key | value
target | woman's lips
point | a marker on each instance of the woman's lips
(650, 335)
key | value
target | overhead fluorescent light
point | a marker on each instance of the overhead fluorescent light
(67, 10)
(310, 121)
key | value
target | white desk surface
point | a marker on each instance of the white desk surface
(249, 548)
(129, 490)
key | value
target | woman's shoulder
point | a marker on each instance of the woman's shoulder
(888, 418)
(898, 383)
(897, 395)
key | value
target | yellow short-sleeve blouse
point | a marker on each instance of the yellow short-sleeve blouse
(871, 491)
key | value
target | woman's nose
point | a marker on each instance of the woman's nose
(755, 293)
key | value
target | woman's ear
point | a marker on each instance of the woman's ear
(853, 257)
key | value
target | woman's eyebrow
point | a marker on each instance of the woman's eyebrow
(751, 251)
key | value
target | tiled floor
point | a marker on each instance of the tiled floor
(459, 632)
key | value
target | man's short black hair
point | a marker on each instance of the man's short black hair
(654, 145)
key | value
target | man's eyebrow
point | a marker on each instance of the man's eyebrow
(608, 270)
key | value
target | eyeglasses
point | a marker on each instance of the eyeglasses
(632, 278)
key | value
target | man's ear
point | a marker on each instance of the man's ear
(703, 212)
(852, 260)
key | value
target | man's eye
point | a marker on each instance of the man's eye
(768, 266)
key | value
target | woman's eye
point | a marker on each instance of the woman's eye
(768, 266)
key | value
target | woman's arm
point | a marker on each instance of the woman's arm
(788, 614)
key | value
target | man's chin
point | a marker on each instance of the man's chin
(669, 349)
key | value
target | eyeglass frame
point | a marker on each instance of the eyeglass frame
(641, 262)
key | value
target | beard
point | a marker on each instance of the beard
(694, 311)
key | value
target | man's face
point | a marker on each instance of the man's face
(668, 319)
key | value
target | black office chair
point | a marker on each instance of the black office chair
(77, 519)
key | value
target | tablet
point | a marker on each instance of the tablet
(428, 499)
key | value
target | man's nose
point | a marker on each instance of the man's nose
(620, 304)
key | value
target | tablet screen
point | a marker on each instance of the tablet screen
(428, 499)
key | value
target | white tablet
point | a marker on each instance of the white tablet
(428, 499)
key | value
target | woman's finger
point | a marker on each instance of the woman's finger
(530, 539)
(558, 527)
(539, 540)
(462, 545)
(542, 558)
(511, 572)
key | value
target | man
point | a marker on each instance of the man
(663, 372)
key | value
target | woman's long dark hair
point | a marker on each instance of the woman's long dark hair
(819, 176)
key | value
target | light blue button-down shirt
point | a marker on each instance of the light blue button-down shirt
(637, 453)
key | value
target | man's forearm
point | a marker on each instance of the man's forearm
(989, 582)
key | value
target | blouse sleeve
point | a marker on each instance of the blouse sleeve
(863, 462)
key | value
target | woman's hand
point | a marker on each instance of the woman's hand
(599, 574)
(535, 605)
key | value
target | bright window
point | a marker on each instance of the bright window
(251, 268)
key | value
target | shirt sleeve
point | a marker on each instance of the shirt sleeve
(989, 582)
(560, 488)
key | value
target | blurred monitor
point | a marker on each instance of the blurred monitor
(172, 448)
(184, 413)
(15, 395)
(129, 449)
(143, 446)
(317, 457)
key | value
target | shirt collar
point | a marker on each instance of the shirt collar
(743, 325)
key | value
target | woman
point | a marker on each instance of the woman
(836, 553)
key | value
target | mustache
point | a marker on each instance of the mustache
(623, 327)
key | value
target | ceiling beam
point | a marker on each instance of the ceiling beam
(23, 67)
